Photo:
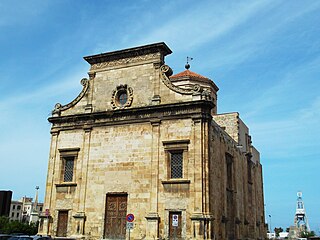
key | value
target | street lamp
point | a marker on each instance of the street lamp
(270, 224)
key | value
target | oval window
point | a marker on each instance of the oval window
(122, 98)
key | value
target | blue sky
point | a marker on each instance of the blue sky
(263, 55)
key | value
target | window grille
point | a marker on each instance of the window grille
(68, 169)
(176, 165)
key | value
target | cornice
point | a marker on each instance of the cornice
(129, 53)
(152, 113)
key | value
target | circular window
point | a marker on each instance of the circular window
(122, 98)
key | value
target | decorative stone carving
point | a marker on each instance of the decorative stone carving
(59, 107)
(92, 75)
(122, 61)
(206, 95)
(166, 72)
(122, 90)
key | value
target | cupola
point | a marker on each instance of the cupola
(187, 79)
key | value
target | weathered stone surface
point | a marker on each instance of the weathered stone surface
(125, 151)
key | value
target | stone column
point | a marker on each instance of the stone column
(152, 230)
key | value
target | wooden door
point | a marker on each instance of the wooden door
(62, 224)
(175, 232)
(115, 216)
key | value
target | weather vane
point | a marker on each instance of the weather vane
(187, 66)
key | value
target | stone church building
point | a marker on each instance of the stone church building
(140, 140)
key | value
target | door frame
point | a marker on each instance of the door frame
(112, 194)
(183, 221)
(58, 221)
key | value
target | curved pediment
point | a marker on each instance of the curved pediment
(58, 108)
(192, 89)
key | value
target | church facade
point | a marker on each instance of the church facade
(139, 140)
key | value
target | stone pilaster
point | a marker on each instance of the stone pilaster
(45, 218)
(202, 219)
(205, 162)
(197, 174)
(152, 231)
(156, 99)
(88, 107)
(202, 226)
(80, 215)
(84, 168)
(79, 219)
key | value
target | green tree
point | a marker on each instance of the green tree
(8, 227)
(3, 224)
(278, 230)
(307, 234)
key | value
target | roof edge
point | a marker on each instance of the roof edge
(189, 75)
(129, 52)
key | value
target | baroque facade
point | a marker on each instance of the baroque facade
(140, 140)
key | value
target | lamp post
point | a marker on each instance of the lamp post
(270, 224)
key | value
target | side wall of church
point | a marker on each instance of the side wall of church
(246, 217)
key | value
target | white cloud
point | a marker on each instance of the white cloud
(203, 23)
(253, 37)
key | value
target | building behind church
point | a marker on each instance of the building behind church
(25, 210)
(140, 140)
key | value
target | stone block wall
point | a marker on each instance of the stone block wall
(125, 150)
